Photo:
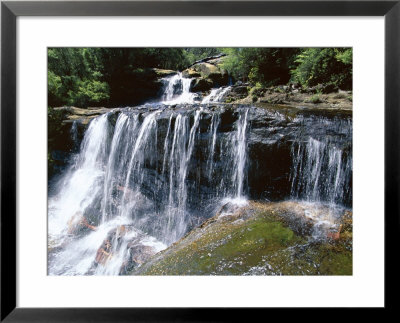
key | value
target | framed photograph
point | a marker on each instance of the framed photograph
(189, 155)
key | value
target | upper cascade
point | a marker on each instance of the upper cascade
(177, 90)
(216, 95)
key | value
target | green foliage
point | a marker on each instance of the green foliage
(193, 54)
(267, 66)
(75, 77)
(316, 98)
(274, 66)
(345, 56)
(324, 65)
(88, 92)
(55, 131)
(257, 91)
(54, 88)
(98, 76)
(113, 76)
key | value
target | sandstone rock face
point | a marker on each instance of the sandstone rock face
(206, 69)
(189, 73)
(82, 116)
(261, 239)
(163, 73)
(206, 76)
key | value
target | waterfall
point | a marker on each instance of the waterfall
(177, 90)
(179, 159)
(215, 121)
(74, 133)
(143, 177)
(240, 154)
(80, 186)
(129, 175)
(321, 171)
(216, 95)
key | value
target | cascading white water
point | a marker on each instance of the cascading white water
(74, 132)
(177, 90)
(215, 121)
(320, 175)
(179, 159)
(143, 178)
(240, 154)
(119, 183)
(79, 187)
(320, 171)
(216, 95)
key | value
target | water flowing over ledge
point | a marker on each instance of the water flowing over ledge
(144, 177)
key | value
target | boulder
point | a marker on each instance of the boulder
(205, 69)
(210, 72)
(240, 90)
(262, 238)
(189, 73)
(125, 236)
(164, 73)
(219, 79)
(78, 222)
(201, 85)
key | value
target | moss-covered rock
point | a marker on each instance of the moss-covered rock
(260, 238)
(163, 73)
(83, 116)
(189, 73)
(205, 69)
(207, 76)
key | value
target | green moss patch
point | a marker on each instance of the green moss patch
(256, 240)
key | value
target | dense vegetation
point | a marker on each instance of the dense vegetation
(307, 66)
(112, 76)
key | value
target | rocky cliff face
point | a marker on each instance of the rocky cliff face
(275, 135)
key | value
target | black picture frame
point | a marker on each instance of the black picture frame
(10, 10)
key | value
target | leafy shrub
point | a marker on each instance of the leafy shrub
(324, 65)
(316, 98)
(89, 92)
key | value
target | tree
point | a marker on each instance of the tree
(264, 66)
(324, 65)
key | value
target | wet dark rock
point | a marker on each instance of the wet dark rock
(201, 85)
(240, 90)
(271, 133)
(329, 88)
(122, 237)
